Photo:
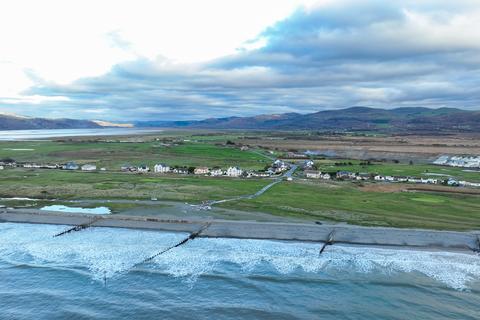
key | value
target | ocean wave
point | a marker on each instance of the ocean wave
(109, 252)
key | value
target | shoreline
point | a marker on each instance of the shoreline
(283, 231)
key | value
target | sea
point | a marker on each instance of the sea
(98, 273)
(13, 135)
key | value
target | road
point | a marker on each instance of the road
(287, 174)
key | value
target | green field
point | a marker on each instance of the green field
(84, 185)
(346, 203)
(400, 169)
(113, 155)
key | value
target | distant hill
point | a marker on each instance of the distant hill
(360, 119)
(400, 120)
(16, 122)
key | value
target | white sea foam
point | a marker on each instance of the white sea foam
(110, 252)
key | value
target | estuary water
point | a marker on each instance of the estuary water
(19, 135)
(91, 274)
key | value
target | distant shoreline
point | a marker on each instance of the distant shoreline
(342, 234)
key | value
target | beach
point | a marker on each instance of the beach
(340, 233)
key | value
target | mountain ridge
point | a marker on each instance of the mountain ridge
(404, 120)
(398, 120)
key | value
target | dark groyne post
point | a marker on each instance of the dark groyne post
(328, 241)
(192, 236)
(78, 227)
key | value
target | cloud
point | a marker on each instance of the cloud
(331, 55)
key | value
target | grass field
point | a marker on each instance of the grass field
(346, 203)
(82, 185)
(113, 155)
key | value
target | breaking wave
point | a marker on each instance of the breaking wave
(109, 252)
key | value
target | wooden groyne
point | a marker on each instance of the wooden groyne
(79, 227)
(192, 236)
(344, 234)
(328, 241)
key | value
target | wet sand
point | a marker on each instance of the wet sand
(343, 234)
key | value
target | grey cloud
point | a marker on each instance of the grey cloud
(370, 52)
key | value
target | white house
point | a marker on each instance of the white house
(89, 167)
(143, 168)
(379, 178)
(201, 170)
(234, 172)
(1, 168)
(70, 166)
(308, 164)
(161, 168)
(325, 176)
(215, 172)
(312, 174)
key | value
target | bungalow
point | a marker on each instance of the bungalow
(161, 168)
(215, 172)
(234, 172)
(346, 175)
(143, 168)
(325, 176)
(258, 174)
(89, 167)
(128, 168)
(180, 170)
(313, 174)
(414, 180)
(363, 176)
(201, 170)
(70, 166)
(379, 178)
(453, 182)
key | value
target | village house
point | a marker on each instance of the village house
(346, 175)
(279, 166)
(70, 166)
(143, 168)
(308, 164)
(201, 170)
(452, 182)
(89, 167)
(180, 170)
(128, 168)
(2, 167)
(161, 168)
(215, 172)
(293, 155)
(379, 178)
(363, 176)
(325, 176)
(312, 174)
(234, 172)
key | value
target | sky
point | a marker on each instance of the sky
(177, 60)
